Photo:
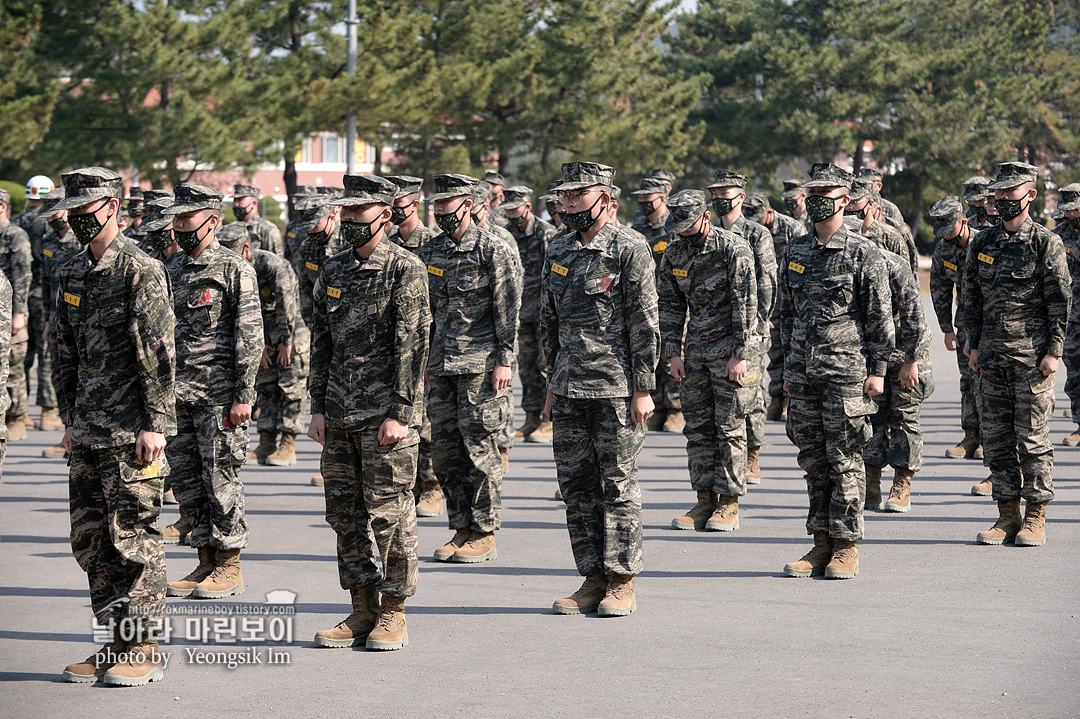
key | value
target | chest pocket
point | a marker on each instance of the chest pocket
(1022, 281)
(713, 289)
(112, 315)
(204, 308)
(471, 281)
(556, 283)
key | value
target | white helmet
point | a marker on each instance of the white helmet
(38, 187)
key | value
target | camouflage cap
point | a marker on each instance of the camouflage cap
(240, 190)
(579, 175)
(975, 188)
(755, 206)
(492, 177)
(652, 186)
(135, 194)
(151, 195)
(406, 184)
(515, 197)
(330, 191)
(5, 196)
(945, 213)
(192, 198)
(233, 235)
(450, 185)
(664, 176)
(83, 186)
(1011, 174)
(1057, 215)
(313, 207)
(826, 174)
(871, 173)
(1069, 197)
(50, 199)
(616, 192)
(862, 187)
(791, 189)
(304, 191)
(549, 196)
(480, 194)
(154, 220)
(727, 178)
(366, 190)
(685, 207)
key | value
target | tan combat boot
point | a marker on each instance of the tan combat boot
(619, 600)
(479, 548)
(674, 421)
(504, 456)
(813, 562)
(753, 465)
(353, 629)
(558, 494)
(54, 452)
(586, 599)
(185, 586)
(845, 560)
(726, 517)
(1033, 532)
(431, 501)
(226, 580)
(28, 421)
(16, 429)
(655, 422)
(697, 517)
(1073, 440)
(873, 488)
(317, 481)
(1006, 527)
(532, 421)
(542, 434)
(176, 533)
(448, 550)
(95, 666)
(390, 632)
(50, 421)
(967, 447)
(266, 447)
(900, 495)
(984, 488)
(168, 497)
(775, 411)
(285, 454)
(143, 663)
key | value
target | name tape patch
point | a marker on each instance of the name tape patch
(559, 269)
(312, 266)
(333, 292)
(434, 271)
(951, 266)
(986, 258)
(72, 299)
(679, 273)
(796, 267)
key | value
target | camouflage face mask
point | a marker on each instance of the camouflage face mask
(723, 205)
(980, 212)
(647, 208)
(860, 213)
(1010, 209)
(58, 225)
(791, 205)
(241, 213)
(188, 241)
(158, 240)
(449, 221)
(820, 208)
(582, 221)
(358, 234)
(398, 215)
(87, 226)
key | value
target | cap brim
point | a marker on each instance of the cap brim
(568, 186)
(155, 225)
(1007, 183)
(826, 183)
(1067, 206)
(353, 201)
(969, 196)
(940, 232)
(439, 196)
(754, 215)
(513, 204)
(717, 185)
(651, 191)
(790, 194)
(184, 209)
(675, 227)
(70, 203)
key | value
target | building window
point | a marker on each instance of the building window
(333, 149)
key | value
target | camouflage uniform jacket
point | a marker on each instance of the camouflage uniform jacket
(884, 236)
(309, 260)
(784, 229)
(15, 261)
(420, 235)
(1016, 295)
(278, 298)
(475, 293)
(55, 251)
(1071, 239)
(36, 227)
(113, 339)
(264, 234)
(947, 273)
(655, 235)
(599, 321)
(836, 319)
(975, 223)
(296, 233)
(892, 216)
(369, 340)
(909, 321)
(717, 283)
(219, 329)
(532, 243)
(764, 265)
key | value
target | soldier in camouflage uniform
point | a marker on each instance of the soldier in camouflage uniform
(783, 229)
(136, 208)
(891, 215)
(15, 261)
(370, 334)
(837, 326)
(709, 272)
(551, 205)
(728, 193)
(897, 439)
(794, 197)
(475, 293)
(157, 240)
(598, 315)
(531, 238)
(5, 351)
(300, 224)
(412, 234)
(954, 232)
(1069, 232)
(496, 183)
(863, 216)
(113, 346)
(1017, 295)
(264, 234)
(975, 195)
(219, 341)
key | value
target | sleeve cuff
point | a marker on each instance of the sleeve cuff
(245, 396)
(159, 422)
(318, 404)
(878, 368)
(504, 358)
(1056, 349)
(404, 413)
(673, 348)
(644, 383)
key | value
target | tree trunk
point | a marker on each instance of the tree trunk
(918, 204)
(290, 181)
(857, 158)
(377, 170)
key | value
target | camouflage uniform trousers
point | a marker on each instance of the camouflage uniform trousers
(666, 395)
(531, 368)
(829, 423)
(897, 440)
(16, 379)
(755, 414)
(281, 390)
(1072, 364)
(776, 360)
(715, 430)
(505, 438)
(39, 351)
(1016, 403)
(969, 404)
(206, 457)
(369, 491)
(115, 502)
(596, 449)
(468, 414)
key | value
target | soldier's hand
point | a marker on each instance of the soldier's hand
(547, 404)
(677, 368)
(427, 380)
(45, 334)
(875, 385)
(909, 375)
(950, 341)
(501, 377)
(18, 321)
(284, 355)
(66, 441)
(392, 431)
(736, 369)
(1049, 365)
(149, 446)
(641, 406)
(239, 414)
(317, 428)
(973, 360)
(264, 363)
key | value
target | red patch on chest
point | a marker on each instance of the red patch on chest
(606, 284)
(204, 298)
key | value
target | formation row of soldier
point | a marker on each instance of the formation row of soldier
(406, 340)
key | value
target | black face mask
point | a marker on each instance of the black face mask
(993, 219)
(980, 213)
(449, 222)
(697, 236)
(792, 206)
(358, 234)
(1074, 222)
(582, 221)
(158, 240)
(323, 237)
(519, 222)
(188, 241)
(647, 208)
(398, 215)
(552, 210)
(861, 214)
(86, 226)
(59, 225)
(241, 213)
(1010, 209)
(820, 208)
(723, 205)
